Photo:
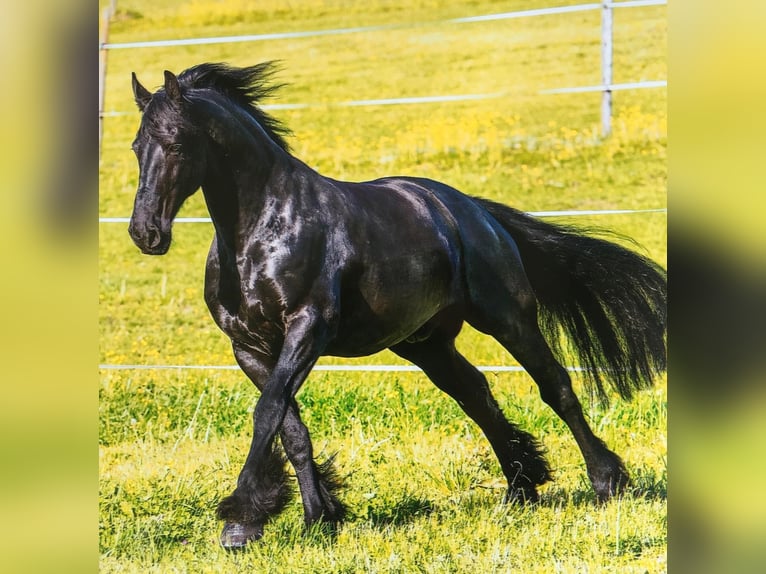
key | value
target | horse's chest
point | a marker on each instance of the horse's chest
(243, 313)
(249, 326)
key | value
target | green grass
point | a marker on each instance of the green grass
(424, 489)
(422, 484)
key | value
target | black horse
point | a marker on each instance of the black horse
(303, 266)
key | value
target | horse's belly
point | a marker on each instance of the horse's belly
(368, 324)
(348, 349)
(365, 341)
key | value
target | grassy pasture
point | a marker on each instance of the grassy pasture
(423, 485)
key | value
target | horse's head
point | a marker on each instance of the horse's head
(171, 160)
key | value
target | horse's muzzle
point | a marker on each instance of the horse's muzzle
(149, 239)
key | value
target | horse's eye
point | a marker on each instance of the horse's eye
(174, 148)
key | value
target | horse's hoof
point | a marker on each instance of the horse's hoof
(235, 536)
(610, 480)
(612, 486)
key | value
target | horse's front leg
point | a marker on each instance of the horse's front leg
(262, 490)
(318, 482)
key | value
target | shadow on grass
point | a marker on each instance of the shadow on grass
(649, 485)
(403, 512)
(646, 484)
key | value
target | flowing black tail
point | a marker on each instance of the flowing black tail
(610, 302)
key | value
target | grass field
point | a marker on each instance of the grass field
(422, 484)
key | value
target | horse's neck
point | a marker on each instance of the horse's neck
(236, 184)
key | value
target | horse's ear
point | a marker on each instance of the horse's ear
(140, 93)
(172, 89)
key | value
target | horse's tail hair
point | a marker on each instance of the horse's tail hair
(610, 302)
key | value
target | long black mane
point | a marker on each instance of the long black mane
(248, 87)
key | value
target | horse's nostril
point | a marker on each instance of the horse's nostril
(154, 238)
(147, 237)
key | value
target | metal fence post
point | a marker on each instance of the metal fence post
(606, 67)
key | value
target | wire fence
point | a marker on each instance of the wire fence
(607, 87)
(318, 368)
(380, 28)
(564, 213)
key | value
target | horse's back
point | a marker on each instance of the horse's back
(478, 233)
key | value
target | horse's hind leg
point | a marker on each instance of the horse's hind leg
(518, 452)
(513, 322)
